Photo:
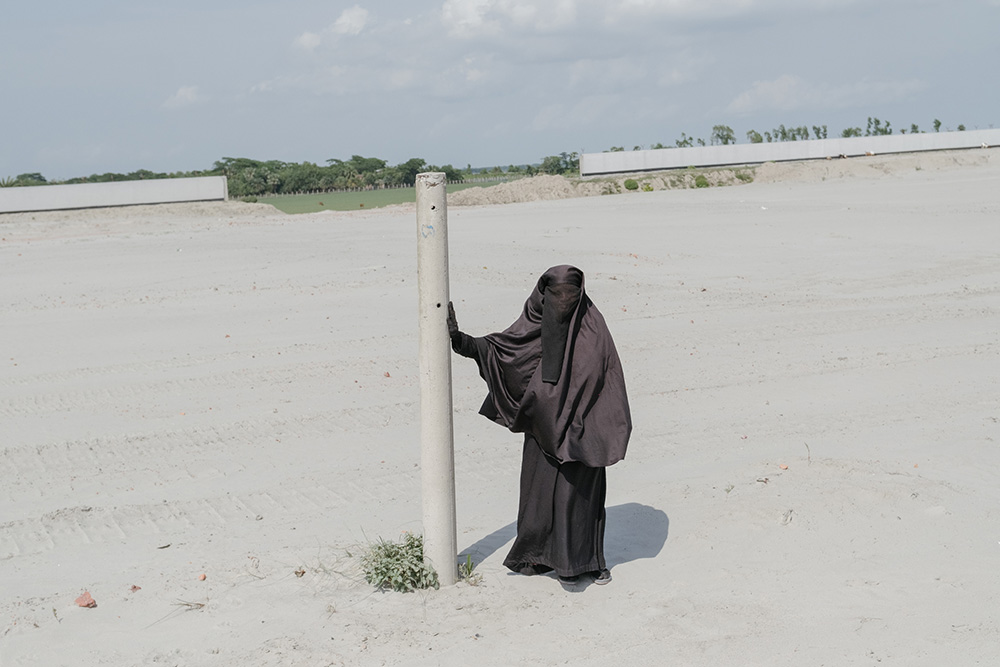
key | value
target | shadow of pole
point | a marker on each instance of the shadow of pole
(490, 544)
(632, 531)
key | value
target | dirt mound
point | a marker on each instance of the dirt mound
(544, 187)
(870, 166)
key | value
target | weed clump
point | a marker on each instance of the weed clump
(701, 181)
(398, 566)
(631, 184)
(467, 572)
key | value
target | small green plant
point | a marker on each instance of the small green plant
(250, 199)
(744, 176)
(467, 573)
(631, 184)
(700, 181)
(647, 187)
(398, 566)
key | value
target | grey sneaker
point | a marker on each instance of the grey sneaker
(602, 577)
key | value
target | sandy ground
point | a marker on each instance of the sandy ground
(813, 366)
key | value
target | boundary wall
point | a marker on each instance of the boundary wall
(116, 193)
(623, 162)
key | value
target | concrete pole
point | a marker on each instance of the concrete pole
(437, 438)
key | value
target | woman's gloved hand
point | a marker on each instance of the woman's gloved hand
(456, 335)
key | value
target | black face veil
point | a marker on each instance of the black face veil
(559, 303)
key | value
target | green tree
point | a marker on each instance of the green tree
(564, 163)
(723, 135)
(851, 132)
(367, 165)
(754, 137)
(876, 129)
(34, 178)
(571, 162)
(450, 173)
(551, 165)
(408, 170)
(937, 125)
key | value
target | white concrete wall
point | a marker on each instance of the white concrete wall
(119, 193)
(593, 164)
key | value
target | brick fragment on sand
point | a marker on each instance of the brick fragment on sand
(86, 600)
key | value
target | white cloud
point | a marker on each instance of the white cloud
(784, 93)
(402, 78)
(335, 79)
(467, 18)
(613, 73)
(351, 22)
(185, 96)
(263, 87)
(549, 117)
(471, 18)
(308, 41)
(675, 76)
(788, 93)
(621, 11)
(683, 67)
(586, 111)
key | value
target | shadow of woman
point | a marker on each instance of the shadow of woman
(632, 531)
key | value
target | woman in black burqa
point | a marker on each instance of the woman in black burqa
(555, 376)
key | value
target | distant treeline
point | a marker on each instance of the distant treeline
(723, 135)
(247, 177)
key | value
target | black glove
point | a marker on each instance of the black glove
(456, 335)
(463, 344)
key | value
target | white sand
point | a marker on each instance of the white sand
(222, 390)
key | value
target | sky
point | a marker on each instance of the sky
(174, 85)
